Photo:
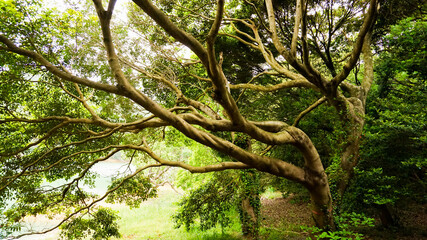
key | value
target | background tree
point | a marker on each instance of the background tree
(69, 67)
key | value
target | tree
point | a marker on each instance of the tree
(61, 91)
(393, 152)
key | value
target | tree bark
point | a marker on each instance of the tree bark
(386, 216)
(321, 205)
(349, 159)
(250, 205)
(355, 118)
(249, 220)
(316, 182)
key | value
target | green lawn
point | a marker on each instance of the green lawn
(153, 221)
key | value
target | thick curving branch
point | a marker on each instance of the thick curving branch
(113, 60)
(368, 76)
(215, 72)
(164, 22)
(273, 30)
(265, 164)
(289, 84)
(11, 47)
(298, 18)
(211, 125)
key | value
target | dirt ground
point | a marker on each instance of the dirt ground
(282, 217)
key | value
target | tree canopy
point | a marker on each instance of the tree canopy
(240, 77)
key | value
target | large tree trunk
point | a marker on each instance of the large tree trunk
(354, 118)
(250, 207)
(316, 182)
(349, 159)
(249, 218)
(386, 217)
(321, 204)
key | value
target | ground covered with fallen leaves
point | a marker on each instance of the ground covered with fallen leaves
(283, 218)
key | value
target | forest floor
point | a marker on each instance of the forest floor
(283, 218)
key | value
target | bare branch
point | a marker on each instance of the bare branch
(11, 47)
(289, 84)
(368, 76)
(298, 17)
(309, 109)
(160, 18)
(357, 49)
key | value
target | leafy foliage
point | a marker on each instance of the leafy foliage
(250, 203)
(209, 204)
(132, 191)
(346, 225)
(100, 225)
(81, 85)
(393, 166)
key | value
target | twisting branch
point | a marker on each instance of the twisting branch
(164, 22)
(215, 29)
(298, 17)
(289, 84)
(113, 60)
(357, 49)
(309, 109)
(310, 74)
(215, 72)
(273, 30)
(11, 47)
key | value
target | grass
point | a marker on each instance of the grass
(270, 193)
(153, 220)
